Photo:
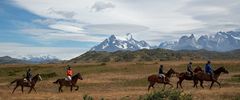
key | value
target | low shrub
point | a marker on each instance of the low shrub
(167, 95)
(87, 97)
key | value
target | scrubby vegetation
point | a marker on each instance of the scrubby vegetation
(167, 95)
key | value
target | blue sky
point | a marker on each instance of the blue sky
(68, 28)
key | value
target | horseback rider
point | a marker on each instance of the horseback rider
(189, 68)
(69, 73)
(161, 74)
(209, 70)
(29, 76)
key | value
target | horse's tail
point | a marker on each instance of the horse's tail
(13, 82)
(56, 82)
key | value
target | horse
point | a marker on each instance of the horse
(186, 75)
(201, 76)
(64, 82)
(21, 82)
(155, 79)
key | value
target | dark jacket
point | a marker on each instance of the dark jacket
(29, 74)
(208, 69)
(160, 70)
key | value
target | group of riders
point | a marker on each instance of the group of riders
(69, 73)
(208, 70)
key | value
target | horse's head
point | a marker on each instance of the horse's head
(170, 72)
(79, 76)
(39, 77)
(198, 69)
(222, 69)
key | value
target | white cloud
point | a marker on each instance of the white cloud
(67, 28)
(165, 19)
(115, 28)
(16, 50)
(45, 21)
(100, 6)
(50, 34)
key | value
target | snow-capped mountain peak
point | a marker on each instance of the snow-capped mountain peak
(115, 43)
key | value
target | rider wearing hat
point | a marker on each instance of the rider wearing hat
(69, 73)
(29, 76)
(161, 74)
(209, 70)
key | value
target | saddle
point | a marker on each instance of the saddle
(25, 80)
(188, 74)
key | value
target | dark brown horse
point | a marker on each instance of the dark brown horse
(155, 79)
(201, 76)
(64, 82)
(186, 76)
(21, 82)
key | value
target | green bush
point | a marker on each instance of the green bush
(167, 95)
(87, 97)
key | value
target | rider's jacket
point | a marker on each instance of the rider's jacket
(29, 74)
(69, 72)
(189, 67)
(208, 69)
(160, 70)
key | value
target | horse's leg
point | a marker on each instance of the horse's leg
(60, 89)
(218, 84)
(211, 84)
(181, 84)
(15, 88)
(30, 89)
(22, 88)
(71, 87)
(151, 85)
(34, 89)
(178, 82)
(201, 83)
(195, 82)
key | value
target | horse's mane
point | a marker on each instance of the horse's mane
(35, 76)
(168, 73)
(75, 76)
(218, 70)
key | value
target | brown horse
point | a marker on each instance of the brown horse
(21, 82)
(201, 76)
(155, 79)
(63, 82)
(186, 76)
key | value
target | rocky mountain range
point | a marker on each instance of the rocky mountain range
(221, 41)
(29, 60)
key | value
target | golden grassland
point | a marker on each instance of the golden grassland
(116, 81)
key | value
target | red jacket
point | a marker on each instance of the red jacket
(69, 72)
